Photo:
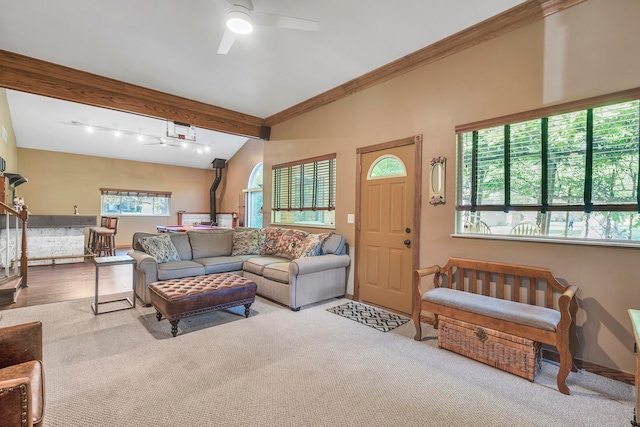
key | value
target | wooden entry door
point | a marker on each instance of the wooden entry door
(388, 230)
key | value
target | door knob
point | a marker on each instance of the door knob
(407, 243)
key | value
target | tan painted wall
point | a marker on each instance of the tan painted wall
(58, 181)
(582, 52)
(9, 149)
(237, 173)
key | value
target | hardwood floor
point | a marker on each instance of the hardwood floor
(63, 282)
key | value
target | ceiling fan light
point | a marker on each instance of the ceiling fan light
(239, 22)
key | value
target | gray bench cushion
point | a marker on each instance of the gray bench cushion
(523, 314)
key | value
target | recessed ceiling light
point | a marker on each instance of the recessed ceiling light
(140, 138)
(89, 129)
(117, 133)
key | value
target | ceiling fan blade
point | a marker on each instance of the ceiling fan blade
(227, 41)
(280, 21)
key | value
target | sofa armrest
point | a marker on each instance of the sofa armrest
(314, 264)
(146, 264)
(16, 402)
(20, 343)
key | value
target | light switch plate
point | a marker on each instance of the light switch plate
(351, 218)
(5, 136)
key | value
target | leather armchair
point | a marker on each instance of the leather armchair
(21, 375)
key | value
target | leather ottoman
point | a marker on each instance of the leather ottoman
(179, 298)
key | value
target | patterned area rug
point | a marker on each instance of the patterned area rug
(370, 316)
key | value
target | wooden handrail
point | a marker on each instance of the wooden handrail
(24, 216)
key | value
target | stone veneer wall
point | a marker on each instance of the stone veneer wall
(45, 242)
(47, 236)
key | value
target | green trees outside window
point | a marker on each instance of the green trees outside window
(134, 202)
(571, 175)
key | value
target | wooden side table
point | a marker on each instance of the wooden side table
(107, 261)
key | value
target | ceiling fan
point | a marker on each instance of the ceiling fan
(241, 17)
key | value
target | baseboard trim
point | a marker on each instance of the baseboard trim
(594, 368)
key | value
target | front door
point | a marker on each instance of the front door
(385, 255)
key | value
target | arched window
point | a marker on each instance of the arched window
(253, 198)
(255, 179)
(387, 166)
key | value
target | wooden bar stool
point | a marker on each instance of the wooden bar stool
(105, 244)
(102, 240)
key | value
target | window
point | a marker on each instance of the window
(572, 175)
(304, 192)
(134, 202)
(387, 166)
(253, 198)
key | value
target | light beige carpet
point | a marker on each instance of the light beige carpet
(282, 368)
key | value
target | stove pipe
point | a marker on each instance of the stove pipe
(218, 165)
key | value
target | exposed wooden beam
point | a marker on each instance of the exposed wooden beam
(39, 77)
(512, 19)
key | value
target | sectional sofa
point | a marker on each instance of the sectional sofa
(290, 266)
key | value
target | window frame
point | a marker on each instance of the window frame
(134, 193)
(293, 197)
(542, 114)
(253, 189)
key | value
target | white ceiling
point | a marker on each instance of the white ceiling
(45, 123)
(170, 46)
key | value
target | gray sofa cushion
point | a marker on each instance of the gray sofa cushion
(256, 265)
(135, 243)
(177, 269)
(278, 272)
(181, 242)
(334, 244)
(221, 264)
(523, 314)
(210, 243)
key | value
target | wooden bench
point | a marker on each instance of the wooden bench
(519, 300)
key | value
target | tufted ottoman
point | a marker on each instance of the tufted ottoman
(178, 298)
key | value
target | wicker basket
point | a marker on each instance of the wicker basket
(510, 353)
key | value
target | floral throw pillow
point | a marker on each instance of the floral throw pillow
(288, 243)
(310, 246)
(271, 235)
(249, 242)
(161, 248)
